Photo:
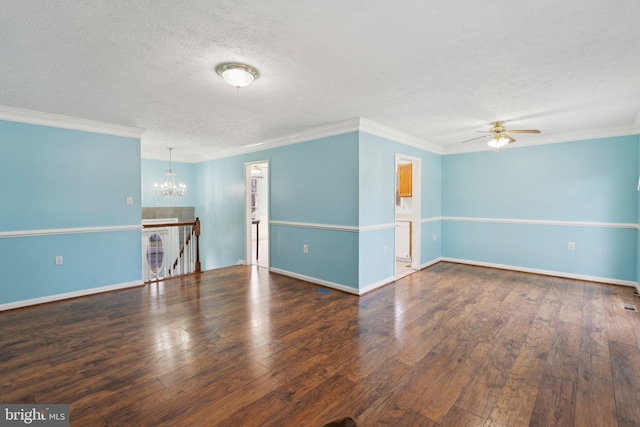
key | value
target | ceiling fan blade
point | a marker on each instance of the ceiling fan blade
(482, 131)
(524, 131)
(473, 139)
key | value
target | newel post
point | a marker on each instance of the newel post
(197, 231)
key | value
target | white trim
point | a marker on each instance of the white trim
(637, 288)
(416, 214)
(430, 263)
(315, 280)
(67, 295)
(542, 139)
(248, 229)
(386, 132)
(333, 129)
(433, 219)
(543, 222)
(543, 272)
(376, 285)
(356, 229)
(57, 231)
(357, 124)
(351, 228)
(66, 122)
(376, 227)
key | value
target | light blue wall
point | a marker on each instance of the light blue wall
(638, 217)
(573, 181)
(344, 181)
(588, 181)
(315, 181)
(154, 171)
(377, 205)
(62, 179)
(220, 207)
(377, 164)
(311, 182)
(59, 178)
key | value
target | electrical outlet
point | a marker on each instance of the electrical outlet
(305, 248)
(58, 260)
(572, 246)
(129, 200)
(384, 250)
(434, 237)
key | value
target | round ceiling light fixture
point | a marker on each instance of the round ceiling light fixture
(237, 75)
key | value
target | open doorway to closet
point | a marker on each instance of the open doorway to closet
(257, 213)
(407, 215)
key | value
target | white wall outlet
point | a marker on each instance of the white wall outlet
(384, 250)
(305, 248)
(572, 246)
(58, 259)
(129, 200)
(434, 237)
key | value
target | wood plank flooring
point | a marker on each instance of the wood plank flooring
(452, 345)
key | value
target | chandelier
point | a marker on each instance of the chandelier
(169, 190)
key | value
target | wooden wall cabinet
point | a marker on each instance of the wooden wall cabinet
(404, 180)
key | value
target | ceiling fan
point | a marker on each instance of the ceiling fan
(500, 135)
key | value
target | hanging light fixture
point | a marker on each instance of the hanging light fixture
(237, 75)
(169, 190)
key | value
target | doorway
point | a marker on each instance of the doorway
(257, 213)
(407, 215)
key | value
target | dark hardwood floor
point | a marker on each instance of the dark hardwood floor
(452, 345)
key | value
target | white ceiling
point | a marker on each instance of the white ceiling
(438, 70)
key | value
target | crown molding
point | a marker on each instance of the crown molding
(395, 135)
(66, 122)
(555, 139)
(352, 125)
(333, 129)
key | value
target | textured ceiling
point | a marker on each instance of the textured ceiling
(438, 70)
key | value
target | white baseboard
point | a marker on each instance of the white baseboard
(544, 272)
(376, 285)
(315, 280)
(67, 295)
(430, 263)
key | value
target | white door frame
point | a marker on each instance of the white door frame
(416, 204)
(248, 253)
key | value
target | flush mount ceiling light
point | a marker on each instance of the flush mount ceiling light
(237, 75)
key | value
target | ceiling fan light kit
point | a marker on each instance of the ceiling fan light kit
(237, 75)
(497, 142)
